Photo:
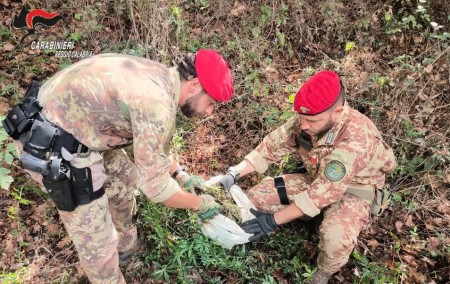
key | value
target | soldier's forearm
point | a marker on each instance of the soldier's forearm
(288, 214)
(244, 168)
(183, 200)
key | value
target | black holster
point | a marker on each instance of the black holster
(69, 192)
(60, 191)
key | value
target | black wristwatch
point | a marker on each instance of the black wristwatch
(179, 170)
(234, 173)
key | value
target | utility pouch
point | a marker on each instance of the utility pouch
(40, 139)
(382, 201)
(16, 122)
(20, 118)
(61, 192)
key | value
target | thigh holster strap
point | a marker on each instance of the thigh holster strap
(281, 189)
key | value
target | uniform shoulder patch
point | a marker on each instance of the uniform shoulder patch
(334, 170)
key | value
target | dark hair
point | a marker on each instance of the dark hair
(341, 93)
(186, 67)
(341, 99)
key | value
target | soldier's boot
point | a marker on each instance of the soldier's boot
(125, 256)
(320, 278)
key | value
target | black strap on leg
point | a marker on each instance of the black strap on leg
(82, 186)
(281, 189)
(97, 194)
(89, 197)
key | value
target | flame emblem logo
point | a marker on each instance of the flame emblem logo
(32, 19)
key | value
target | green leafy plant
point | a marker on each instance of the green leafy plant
(15, 277)
(369, 272)
(7, 154)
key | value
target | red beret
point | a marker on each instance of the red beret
(318, 94)
(214, 74)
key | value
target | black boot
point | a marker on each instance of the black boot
(125, 256)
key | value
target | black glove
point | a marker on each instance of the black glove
(230, 178)
(263, 225)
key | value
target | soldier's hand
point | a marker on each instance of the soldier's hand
(190, 182)
(263, 225)
(208, 208)
(230, 178)
(226, 181)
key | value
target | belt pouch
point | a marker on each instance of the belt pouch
(40, 139)
(16, 123)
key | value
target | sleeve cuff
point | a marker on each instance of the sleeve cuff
(166, 193)
(304, 203)
(257, 161)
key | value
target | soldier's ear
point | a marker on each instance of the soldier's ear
(336, 112)
(194, 86)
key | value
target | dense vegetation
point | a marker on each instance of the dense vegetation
(394, 58)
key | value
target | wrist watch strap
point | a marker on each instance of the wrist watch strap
(179, 170)
(234, 173)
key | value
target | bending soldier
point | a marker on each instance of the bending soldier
(72, 129)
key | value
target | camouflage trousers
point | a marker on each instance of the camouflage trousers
(343, 220)
(102, 228)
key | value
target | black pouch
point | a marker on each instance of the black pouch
(20, 118)
(61, 192)
(16, 123)
(40, 139)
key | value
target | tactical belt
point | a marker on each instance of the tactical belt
(43, 136)
(362, 191)
(379, 199)
(43, 141)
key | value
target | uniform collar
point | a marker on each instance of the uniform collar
(330, 136)
(175, 77)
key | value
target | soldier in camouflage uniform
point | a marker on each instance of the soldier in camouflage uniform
(346, 161)
(108, 102)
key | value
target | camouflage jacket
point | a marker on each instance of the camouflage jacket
(112, 100)
(351, 155)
